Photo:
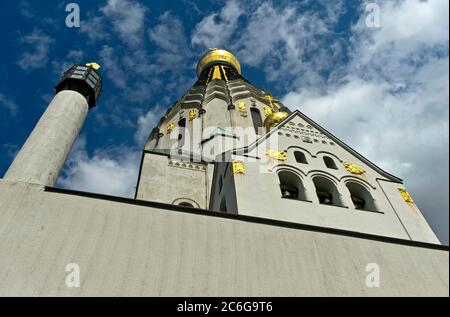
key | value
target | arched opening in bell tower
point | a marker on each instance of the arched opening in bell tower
(361, 197)
(326, 191)
(291, 185)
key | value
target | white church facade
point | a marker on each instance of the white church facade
(236, 196)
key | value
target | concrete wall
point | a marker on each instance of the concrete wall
(174, 181)
(408, 214)
(130, 250)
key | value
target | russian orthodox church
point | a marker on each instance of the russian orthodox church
(228, 146)
(236, 196)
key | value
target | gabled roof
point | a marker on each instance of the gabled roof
(253, 145)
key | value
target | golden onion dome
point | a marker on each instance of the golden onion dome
(274, 119)
(217, 56)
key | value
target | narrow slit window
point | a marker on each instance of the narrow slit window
(256, 118)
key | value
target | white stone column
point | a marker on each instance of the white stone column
(43, 155)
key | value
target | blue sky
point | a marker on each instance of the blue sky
(382, 90)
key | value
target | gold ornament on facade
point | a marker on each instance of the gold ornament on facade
(268, 111)
(405, 195)
(217, 56)
(170, 127)
(270, 99)
(279, 155)
(192, 114)
(274, 119)
(242, 107)
(238, 167)
(353, 168)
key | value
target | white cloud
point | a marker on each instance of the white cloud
(134, 61)
(26, 10)
(406, 26)
(411, 33)
(72, 57)
(38, 57)
(127, 18)
(169, 35)
(280, 40)
(94, 28)
(173, 55)
(75, 55)
(194, 6)
(110, 61)
(277, 40)
(217, 28)
(132, 71)
(270, 27)
(8, 104)
(146, 123)
(109, 171)
(132, 68)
